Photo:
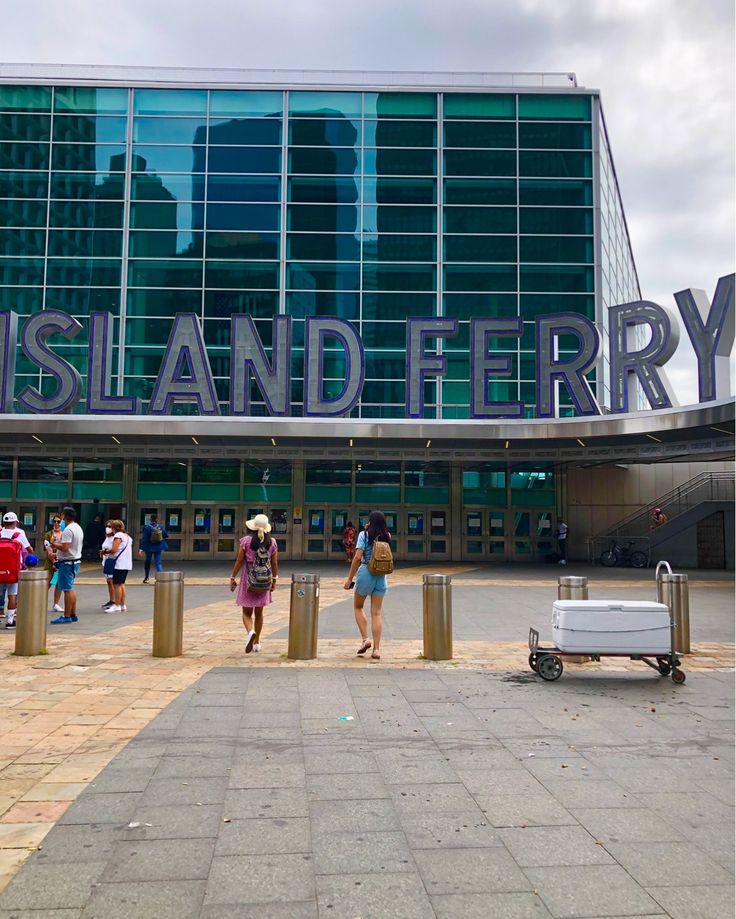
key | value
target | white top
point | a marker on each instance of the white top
(7, 533)
(123, 555)
(106, 544)
(70, 549)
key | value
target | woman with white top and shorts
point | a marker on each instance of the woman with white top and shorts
(122, 551)
(370, 585)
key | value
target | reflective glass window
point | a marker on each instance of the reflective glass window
(162, 472)
(253, 245)
(24, 300)
(480, 219)
(399, 277)
(383, 335)
(480, 191)
(86, 214)
(226, 102)
(322, 247)
(480, 162)
(479, 278)
(384, 161)
(90, 100)
(302, 303)
(244, 276)
(243, 216)
(243, 188)
(163, 303)
(15, 126)
(315, 276)
(480, 248)
(167, 188)
(555, 163)
(223, 303)
(245, 131)
(400, 248)
(313, 189)
(316, 160)
(88, 157)
(86, 243)
(21, 213)
(556, 249)
(80, 301)
(480, 134)
(166, 215)
(25, 98)
(400, 133)
(23, 185)
(400, 105)
(555, 220)
(548, 134)
(189, 131)
(556, 108)
(168, 159)
(22, 242)
(97, 472)
(165, 273)
(21, 271)
(533, 305)
(400, 191)
(68, 272)
(89, 129)
(322, 217)
(39, 470)
(336, 472)
(244, 159)
(170, 102)
(324, 132)
(467, 306)
(398, 219)
(147, 331)
(552, 193)
(573, 278)
(24, 156)
(325, 104)
(479, 105)
(398, 305)
(164, 244)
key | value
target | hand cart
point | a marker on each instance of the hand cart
(547, 662)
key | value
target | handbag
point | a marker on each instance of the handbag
(108, 566)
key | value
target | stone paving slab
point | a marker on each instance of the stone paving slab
(410, 825)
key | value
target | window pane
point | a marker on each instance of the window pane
(562, 278)
(400, 134)
(83, 300)
(314, 276)
(98, 472)
(400, 191)
(549, 134)
(25, 98)
(166, 188)
(480, 191)
(396, 219)
(163, 302)
(162, 472)
(400, 105)
(168, 159)
(326, 217)
(90, 130)
(216, 470)
(223, 303)
(23, 185)
(533, 305)
(170, 102)
(165, 274)
(86, 243)
(243, 188)
(552, 193)
(22, 214)
(21, 271)
(480, 219)
(242, 245)
(479, 278)
(22, 242)
(480, 134)
(244, 131)
(401, 247)
(163, 244)
(398, 305)
(315, 160)
(25, 127)
(51, 469)
(244, 159)
(555, 220)
(467, 306)
(480, 248)
(308, 189)
(562, 108)
(332, 473)
(244, 276)
(243, 217)
(323, 246)
(165, 215)
(323, 132)
(480, 162)
(399, 162)
(399, 277)
(86, 214)
(252, 104)
(88, 100)
(169, 130)
(325, 104)
(478, 105)
(88, 157)
(555, 163)
(24, 156)
(556, 249)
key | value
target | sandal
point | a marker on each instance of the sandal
(364, 647)
(376, 655)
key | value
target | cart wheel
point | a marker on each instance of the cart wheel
(608, 559)
(678, 676)
(664, 666)
(549, 667)
(533, 662)
(639, 559)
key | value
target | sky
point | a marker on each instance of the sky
(665, 69)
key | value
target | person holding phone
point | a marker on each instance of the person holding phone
(370, 585)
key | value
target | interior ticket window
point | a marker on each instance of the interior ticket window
(173, 522)
(201, 530)
(316, 531)
(226, 539)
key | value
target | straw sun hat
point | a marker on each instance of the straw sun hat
(260, 523)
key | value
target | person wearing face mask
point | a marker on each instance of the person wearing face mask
(104, 552)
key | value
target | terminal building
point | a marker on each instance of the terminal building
(316, 294)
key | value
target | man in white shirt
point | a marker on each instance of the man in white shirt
(68, 546)
(12, 531)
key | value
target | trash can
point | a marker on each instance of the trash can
(673, 591)
(573, 588)
(31, 615)
(437, 616)
(303, 617)
(168, 614)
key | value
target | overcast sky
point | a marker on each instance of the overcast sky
(664, 67)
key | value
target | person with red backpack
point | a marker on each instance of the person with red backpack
(14, 547)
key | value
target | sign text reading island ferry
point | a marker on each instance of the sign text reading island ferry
(642, 336)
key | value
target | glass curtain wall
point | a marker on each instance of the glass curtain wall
(367, 206)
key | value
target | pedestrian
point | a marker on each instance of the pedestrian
(93, 537)
(14, 547)
(49, 564)
(103, 553)
(152, 545)
(658, 518)
(68, 547)
(561, 536)
(118, 562)
(348, 540)
(367, 584)
(258, 557)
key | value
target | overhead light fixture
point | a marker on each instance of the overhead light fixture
(428, 443)
(195, 441)
(580, 441)
(652, 437)
(37, 439)
(115, 439)
(721, 430)
(506, 445)
(179, 463)
(350, 443)
(273, 441)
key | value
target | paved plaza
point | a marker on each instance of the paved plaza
(220, 785)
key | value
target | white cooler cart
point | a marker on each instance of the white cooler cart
(638, 629)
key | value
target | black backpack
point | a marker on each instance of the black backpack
(260, 574)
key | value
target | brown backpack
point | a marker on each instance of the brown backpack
(381, 560)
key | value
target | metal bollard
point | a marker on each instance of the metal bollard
(303, 617)
(572, 588)
(673, 591)
(168, 614)
(31, 615)
(437, 616)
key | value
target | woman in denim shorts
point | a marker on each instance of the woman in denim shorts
(367, 584)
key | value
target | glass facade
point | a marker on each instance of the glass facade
(366, 206)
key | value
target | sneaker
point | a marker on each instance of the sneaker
(113, 608)
(249, 641)
(74, 618)
(61, 620)
(256, 647)
(56, 608)
(562, 561)
(145, 580)
(123, 608)
(10, 624)
(105, 605)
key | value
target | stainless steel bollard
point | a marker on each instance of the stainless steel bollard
(31, 615)
(673, 591)
(168, 614)
(572, 588)
(437, 616)
(303, 617)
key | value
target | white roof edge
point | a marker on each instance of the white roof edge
(194, 76)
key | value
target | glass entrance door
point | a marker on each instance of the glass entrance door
(427, 534)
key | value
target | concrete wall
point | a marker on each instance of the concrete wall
(598, 497)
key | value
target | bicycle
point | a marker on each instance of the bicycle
(623, 556)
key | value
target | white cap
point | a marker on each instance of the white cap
(10, 517)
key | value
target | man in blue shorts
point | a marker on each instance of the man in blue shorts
(68, 546)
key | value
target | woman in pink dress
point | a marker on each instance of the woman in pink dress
(253, 601)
